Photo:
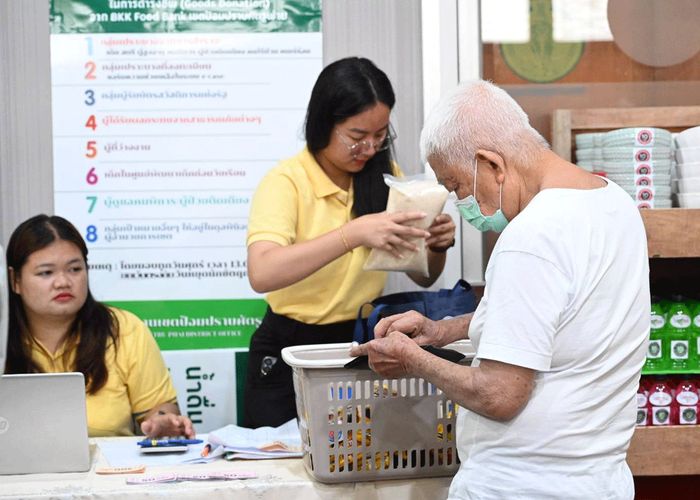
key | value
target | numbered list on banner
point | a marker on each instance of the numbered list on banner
(165, 119)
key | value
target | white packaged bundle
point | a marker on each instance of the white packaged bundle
(410, 194)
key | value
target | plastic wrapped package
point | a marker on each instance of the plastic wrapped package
(410, 194)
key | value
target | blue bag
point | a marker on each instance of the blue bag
(434, 305)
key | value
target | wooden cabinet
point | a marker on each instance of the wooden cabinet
(665, 451)
(673, 232)
(673, 236)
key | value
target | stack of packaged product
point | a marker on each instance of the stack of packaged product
(639, 160)
(687, 182)
(589, 151)
(668, 392)
(667, 401)
(673, 339)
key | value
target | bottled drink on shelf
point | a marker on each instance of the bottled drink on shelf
(696, 332)
(657, 359)
(686, 395)
(661, 403)
(680, 334)
(643, 406)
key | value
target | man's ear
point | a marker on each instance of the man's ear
(495, 161)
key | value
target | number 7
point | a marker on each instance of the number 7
(93, 201)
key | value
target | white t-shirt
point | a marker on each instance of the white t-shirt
(567, 295)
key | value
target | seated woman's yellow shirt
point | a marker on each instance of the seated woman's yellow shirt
(138, 379)
(297, 202)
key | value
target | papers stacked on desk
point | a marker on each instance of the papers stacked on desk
(257, 444)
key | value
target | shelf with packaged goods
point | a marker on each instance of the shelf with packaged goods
(665, 451)
(673, 238)
(566, 123)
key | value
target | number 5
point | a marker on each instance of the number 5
(91, 149)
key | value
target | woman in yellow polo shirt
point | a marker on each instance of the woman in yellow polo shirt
(57, 326)
(313, 221)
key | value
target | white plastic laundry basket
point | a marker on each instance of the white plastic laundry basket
(358, 426)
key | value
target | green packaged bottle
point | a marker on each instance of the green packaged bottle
(695, 327)
(655, 349)
(682, 351)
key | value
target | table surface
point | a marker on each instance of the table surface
(276, 479)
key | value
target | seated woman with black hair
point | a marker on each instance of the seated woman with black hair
(57, 326)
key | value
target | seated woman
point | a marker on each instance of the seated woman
(57, 326)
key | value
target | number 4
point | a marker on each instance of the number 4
(91, 122)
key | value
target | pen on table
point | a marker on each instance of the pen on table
(168, 442)
(206, 450)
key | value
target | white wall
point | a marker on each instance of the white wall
(26, 181)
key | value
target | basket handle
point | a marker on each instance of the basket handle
(338, 355)
(321, 355)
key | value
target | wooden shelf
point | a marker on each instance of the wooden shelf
(566, 123)
(672, 232)
(665, 451)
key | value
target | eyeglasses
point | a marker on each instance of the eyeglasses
(359, 147)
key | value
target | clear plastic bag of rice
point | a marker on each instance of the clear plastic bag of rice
(410, 194)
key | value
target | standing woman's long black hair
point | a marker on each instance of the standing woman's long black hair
(94, 325)
(346, 88)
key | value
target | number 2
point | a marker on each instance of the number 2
(90, 67)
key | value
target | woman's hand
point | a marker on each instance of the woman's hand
(385, 231)
(442, 233)
(162, 424)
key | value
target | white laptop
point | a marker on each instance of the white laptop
(43, 423)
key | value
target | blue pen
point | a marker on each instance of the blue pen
(151, 443)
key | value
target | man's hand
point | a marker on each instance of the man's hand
(422, 330)
(389, 356)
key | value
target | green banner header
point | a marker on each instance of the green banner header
(199, 324)
(185, 16)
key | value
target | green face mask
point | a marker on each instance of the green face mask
(471, 212)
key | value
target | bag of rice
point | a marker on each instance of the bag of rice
(406, 194)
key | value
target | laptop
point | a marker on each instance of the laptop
(43, 423)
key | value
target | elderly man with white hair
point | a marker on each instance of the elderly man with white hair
(548, 405)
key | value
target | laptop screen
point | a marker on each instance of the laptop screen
(4, 310)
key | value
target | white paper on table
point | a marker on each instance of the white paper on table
(260, 456)
(240, 439)
(126, 453)
(217, 452)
